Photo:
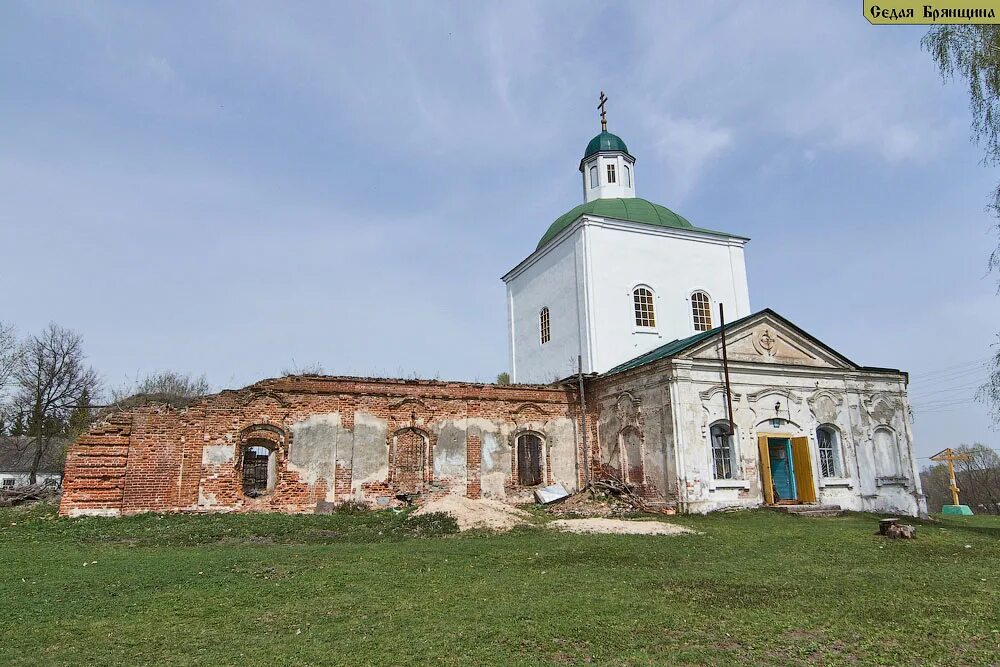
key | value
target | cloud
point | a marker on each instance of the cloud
(687, 146)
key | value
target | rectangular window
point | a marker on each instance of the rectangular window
(611, 173)
(8, 483)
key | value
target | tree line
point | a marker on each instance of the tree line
(49, 394)
(977, 477)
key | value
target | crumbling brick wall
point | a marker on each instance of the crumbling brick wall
(331, 438)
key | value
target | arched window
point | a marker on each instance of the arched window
(723, 451)
(701, 311)
(642, 298)
(259, 468)
(543, 325)
(529, 459)
(593, 176)
(829, 452)
(628, 176)
(886, 453)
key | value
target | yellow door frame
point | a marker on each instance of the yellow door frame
(805, 490)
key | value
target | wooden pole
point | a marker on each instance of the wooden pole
(725, 370)
(951, 478)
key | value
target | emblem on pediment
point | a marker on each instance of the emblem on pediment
(765, 342)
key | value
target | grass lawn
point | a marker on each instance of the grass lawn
(381, 589)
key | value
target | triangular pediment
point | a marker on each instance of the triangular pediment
(770, 339)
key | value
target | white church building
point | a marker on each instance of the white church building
(629, 293)
(621, 370)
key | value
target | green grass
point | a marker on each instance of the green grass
(379, 589)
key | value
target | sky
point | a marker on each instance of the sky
(237, 189)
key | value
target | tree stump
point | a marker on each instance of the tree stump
(894, 530)
(884, 524)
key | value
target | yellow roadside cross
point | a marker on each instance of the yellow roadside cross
(950, 456)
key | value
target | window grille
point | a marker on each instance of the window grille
(543, 325)
(829, 461)
(256, 471)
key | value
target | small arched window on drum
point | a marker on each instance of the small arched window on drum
(701, 311)
(642, 302)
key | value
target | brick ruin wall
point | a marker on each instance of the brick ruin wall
(332, 439)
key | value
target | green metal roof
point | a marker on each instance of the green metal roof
(632, 210)
(672, 348)
(682, 344)
(605, 141)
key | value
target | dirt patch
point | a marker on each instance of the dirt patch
(619, 527)
(481, 514)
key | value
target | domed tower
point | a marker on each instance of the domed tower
(608, 168)
(617, 276)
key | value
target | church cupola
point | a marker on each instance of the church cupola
(607, 167)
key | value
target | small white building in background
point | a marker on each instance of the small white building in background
(16, 454)
(633, 291)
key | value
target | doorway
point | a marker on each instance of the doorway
(785, 469)
(779, 452)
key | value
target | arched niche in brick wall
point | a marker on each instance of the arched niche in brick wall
(410, 462)
(524, 450)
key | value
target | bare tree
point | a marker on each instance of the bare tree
(168, 387)
(51, 379)
(8, 353)
(971, 53)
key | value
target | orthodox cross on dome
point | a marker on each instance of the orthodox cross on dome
(604, 120)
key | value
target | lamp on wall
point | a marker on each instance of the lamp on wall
(776, 420)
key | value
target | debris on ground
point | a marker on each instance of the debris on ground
(20, 495)
(551, 494)
(585, 504)
(605, 497)
(618, 527)
(624, 492)
(481, 514)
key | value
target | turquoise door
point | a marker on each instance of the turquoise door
(782, 469)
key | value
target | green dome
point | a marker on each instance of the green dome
(605, 141)
(632, 210)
